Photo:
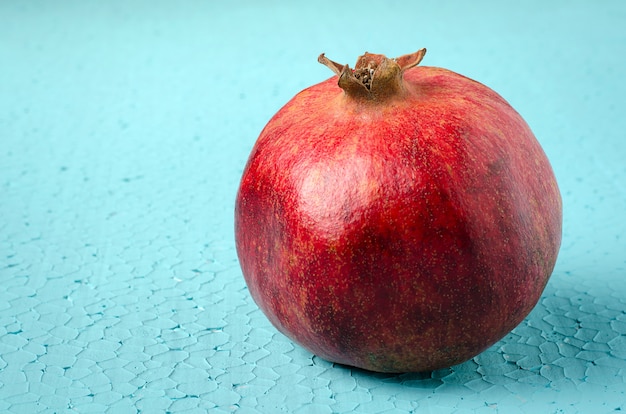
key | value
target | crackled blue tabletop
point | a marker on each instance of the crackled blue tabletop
(124, 129)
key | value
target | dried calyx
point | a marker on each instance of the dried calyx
(365, 75)
(374, 77)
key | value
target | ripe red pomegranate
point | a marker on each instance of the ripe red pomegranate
(398, 218)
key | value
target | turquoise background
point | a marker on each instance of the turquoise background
(124, 129)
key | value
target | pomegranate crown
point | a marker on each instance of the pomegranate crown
(374, 76)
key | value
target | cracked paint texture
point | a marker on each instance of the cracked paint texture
(121, 148)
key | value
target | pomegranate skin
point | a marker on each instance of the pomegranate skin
(404, 233)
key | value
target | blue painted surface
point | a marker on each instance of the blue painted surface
(124, 128)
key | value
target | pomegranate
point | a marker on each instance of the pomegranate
(396, 217)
